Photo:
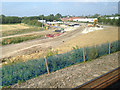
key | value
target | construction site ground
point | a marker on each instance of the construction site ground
(73, 76)
(37, 48)
(42, 44)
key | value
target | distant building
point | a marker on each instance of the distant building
(72, 18)
(82, 19)
(69, 18)
(64, 19)
(56, 22)
(85, 19)
(112, 17)
(42, 21)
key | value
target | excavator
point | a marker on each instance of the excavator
(94, 23)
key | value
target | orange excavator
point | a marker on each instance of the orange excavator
(94, 23)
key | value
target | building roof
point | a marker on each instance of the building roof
(71, 18)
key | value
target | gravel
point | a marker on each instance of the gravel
(74, 75)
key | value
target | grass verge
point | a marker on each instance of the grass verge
(14, 40)
(21, 31)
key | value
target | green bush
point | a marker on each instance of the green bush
(51, 53)
(93, 53)
(109, 21)
(33, 22)
(19, 39)
(75, 47)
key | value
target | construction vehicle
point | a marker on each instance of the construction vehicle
(94, 23)
(47, 28)
(60, 30)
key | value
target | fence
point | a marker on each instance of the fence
(23, 71)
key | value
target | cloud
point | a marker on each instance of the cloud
(60, 0)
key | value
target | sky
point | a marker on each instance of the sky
(35, 8)
(60, 0)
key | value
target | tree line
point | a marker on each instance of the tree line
(10, 19)
(50, 17)
(103, 20)
(33, 20)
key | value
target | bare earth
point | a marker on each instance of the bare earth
(34, 49)
(31, 33)
(9, 50)
(108, 34)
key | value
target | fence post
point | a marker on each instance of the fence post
(109, 47)
(83, 54)
(46, 65)
(95, 45)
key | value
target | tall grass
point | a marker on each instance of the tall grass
(23, 71)
(14, 40)
(21, 31)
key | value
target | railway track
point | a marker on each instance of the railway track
(102, 81)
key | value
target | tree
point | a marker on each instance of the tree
(58, 15)
(10, 19)
(41, 17)
(96, 15)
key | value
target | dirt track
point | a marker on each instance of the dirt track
(41, 44)
(31, 33)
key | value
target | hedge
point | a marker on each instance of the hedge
(23, 71)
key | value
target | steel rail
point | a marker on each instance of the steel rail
(102, 81)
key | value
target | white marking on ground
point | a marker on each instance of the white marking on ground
(91, 29)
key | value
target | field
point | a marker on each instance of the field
(29, 63)
(108, 34)
(8, 27)
(8, 30)
(14, 40)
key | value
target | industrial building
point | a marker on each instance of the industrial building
(56, 22)
(85, 19)
(42, 21)
(81, 19)
(112, 17)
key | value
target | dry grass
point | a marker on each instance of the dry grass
(7, 27)
(15, 29)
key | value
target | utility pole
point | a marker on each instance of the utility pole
(42, 22)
